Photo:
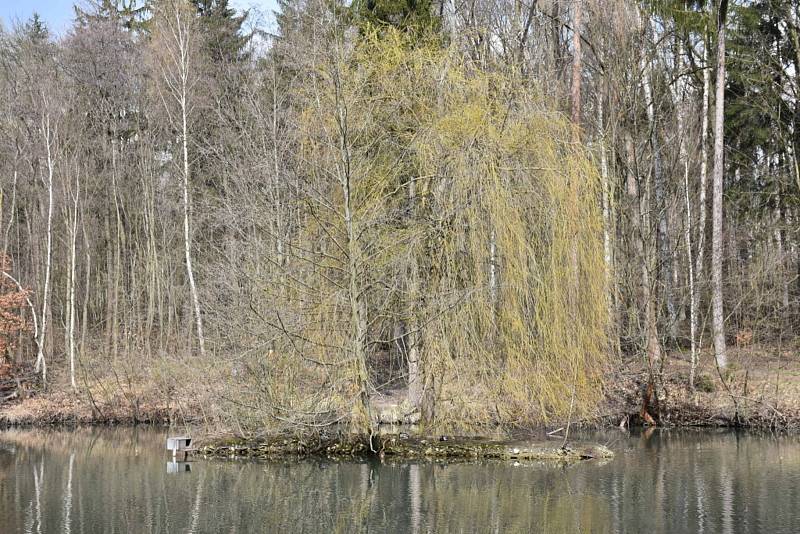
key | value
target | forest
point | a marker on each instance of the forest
(478, 212)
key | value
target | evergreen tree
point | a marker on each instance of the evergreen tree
(225, 38)
(129, 14)
(36, 29)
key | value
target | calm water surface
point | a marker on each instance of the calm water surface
(108, 481)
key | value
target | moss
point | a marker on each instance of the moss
(476, 448)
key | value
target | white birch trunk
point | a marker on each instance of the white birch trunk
(175, 48)
(41, 363)
(720, 350)
(187, 243)
(703, 201)
(577, 11)
(680, 102)
(692, 293)
(71, 283)
(181, 35)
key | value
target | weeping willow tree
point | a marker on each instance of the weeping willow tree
(509, 244)
(446, 209)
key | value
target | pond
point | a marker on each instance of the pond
(122, 480)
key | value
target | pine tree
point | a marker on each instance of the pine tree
(129, 14)
(36, 29)
(226, 40)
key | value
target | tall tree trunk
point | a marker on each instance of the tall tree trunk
(415, 375)
(71, 283)
(783, 247)
(577, 15)
(87, 288)
(13, 208)
(176, 45)
(118, 236)
(413, 337)
(703, 201)
(358, 312)
(109, 289)
(690, 265)
(150, 269)
(682, 109)
(664, 273)
(720, 350)
(639, 204)
(187, 243)
(41, 363)
(276, 162)
(608, 256)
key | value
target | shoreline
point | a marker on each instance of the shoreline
(758, 393)
(43, 411)
(684, 411)
(399, 445)
(675, 412)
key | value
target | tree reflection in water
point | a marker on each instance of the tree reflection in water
(101, 480)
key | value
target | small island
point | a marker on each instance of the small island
(406, 447)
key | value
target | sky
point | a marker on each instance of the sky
(58, 13)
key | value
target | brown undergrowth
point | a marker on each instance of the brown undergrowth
(108, 393)
(760, 389)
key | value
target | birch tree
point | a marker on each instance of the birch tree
(575, 92)
(718, 313)
(702, 202)
(176, 51)
(49, 135)
(71, 201)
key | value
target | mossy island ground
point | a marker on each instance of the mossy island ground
(406, 447)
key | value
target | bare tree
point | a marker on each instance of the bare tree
(702, 202)
(575, 93)
(719, 172)
(72, 221)
(49, 133)
(176, 48)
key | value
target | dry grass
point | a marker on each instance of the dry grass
(133, 389)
